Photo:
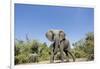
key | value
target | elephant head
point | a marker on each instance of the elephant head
(55, 36)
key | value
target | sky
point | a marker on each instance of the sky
(36, 20)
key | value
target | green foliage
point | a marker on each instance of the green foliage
(33, 58)
(34, 46)
(30, 51)
(21, 58)
(44, 52)
(89, 48)
(85, 47)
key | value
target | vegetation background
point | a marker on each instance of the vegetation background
(33, 51)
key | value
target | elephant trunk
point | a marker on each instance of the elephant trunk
(57, 43)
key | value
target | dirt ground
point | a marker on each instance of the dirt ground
(56, 61)
(59, 61)
(32, 65)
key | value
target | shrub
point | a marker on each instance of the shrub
(33, 58)
(22, 58)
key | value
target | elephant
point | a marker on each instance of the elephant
(57, 37)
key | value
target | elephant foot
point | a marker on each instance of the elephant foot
(51, 61)
(67, 60)
(74, 60)
(62, 61)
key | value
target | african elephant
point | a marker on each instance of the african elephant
(57, 37)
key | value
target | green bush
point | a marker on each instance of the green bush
(33, 58)
(80, 54)
(16, 60)
(84, 48)
(22, 58)
(25, 52)
(31, 51)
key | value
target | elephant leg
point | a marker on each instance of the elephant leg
(67, 56)
(62, 56)
(52, 58)
(52, 53)
(72, 56)
(61, 52)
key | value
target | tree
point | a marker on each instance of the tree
(85, 47)
(89, 45)
(34, 47)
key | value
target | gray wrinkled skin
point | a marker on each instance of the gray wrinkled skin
(57, 37)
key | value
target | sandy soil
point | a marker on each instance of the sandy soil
(36, 65)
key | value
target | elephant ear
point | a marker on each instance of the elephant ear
(61, 35)
(50, 35)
